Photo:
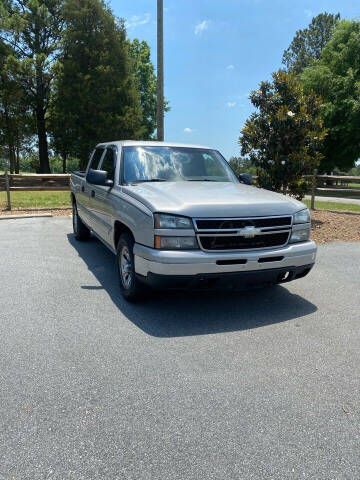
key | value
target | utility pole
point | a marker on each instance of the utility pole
(160, 71)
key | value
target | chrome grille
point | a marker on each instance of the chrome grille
(236, 223)
(243, 233)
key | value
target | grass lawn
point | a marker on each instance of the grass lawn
(22, 200)
(334, 206)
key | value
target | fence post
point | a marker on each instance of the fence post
(313, 190)
(7, 186)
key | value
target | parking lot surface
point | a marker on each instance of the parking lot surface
(255, 385)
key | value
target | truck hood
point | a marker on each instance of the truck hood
(212, 199)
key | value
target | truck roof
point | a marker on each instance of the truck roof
(147, 143)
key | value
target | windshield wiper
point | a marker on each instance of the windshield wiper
(201, 180)
(149, 180)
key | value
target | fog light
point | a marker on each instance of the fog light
(300, 236)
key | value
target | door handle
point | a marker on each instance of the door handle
(83, 188)
(92, 193)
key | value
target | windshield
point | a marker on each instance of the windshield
(174, 164)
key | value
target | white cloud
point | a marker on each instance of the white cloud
(231, 104)
(137, 20)
(188, 130)
(230, 67)
(308, 13)
(201, 27)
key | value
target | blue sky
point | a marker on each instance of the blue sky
(216, 52)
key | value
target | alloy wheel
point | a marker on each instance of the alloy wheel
(126, 267)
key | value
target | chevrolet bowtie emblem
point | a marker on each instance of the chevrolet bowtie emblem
(249, 232)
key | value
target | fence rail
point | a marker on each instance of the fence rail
(61, 181)
(35, 182)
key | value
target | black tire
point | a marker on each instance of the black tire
(131, 288)
(81, 231)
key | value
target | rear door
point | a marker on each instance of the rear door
(86, 188)
(101, 197)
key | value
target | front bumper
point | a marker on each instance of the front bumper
(161, 266)
(234, 281)
(194, 262)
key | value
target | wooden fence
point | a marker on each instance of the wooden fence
(323, 184)
(335, 185)
(33, 182)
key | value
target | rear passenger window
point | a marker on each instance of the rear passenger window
(96, 158)
(109, 162)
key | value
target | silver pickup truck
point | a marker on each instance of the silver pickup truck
(176, 216)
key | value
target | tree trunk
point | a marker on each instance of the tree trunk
(64, 162)
(11, 157)
(10, 142)
(285, 187)
(17, 160)
(42, 139)
(40, 114)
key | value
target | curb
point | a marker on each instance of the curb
(35, 215)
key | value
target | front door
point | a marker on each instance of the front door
(101, 201)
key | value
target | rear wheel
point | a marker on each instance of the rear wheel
(81, 231)
(131, 288)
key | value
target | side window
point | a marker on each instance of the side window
(109, 163)
(96, 158)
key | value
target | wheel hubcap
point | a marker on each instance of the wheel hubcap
(125, 267)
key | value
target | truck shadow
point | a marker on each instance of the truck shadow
(175, 314)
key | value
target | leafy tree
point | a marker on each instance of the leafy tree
(10, 97)
(283, 137)
(95, 97)
(15, 118)
(61, 132)
(33, 29)
(336, 78)
(355, 171)
(242, 165)
(309, 42)
(145, 80)
(57, 165)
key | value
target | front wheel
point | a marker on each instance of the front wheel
(131, 288)
(81, 231)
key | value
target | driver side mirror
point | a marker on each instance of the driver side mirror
(99, 177)
(246, 178)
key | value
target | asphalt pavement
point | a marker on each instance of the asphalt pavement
(255, 385)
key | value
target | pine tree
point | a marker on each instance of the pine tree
(96, 99)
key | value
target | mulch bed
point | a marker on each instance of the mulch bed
(332, 226)
(327, 226)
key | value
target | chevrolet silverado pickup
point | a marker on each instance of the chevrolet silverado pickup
(176, 216)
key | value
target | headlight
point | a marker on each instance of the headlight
(176, 243)
(302, 217)
(163, 220)
(300, 235)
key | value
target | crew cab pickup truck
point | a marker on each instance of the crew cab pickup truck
(176, 216)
